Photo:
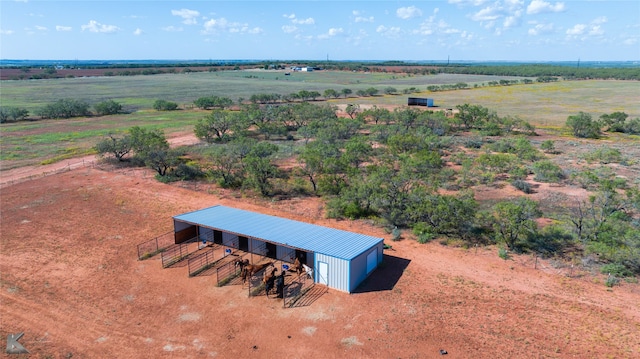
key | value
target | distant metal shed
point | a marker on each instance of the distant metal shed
(419, 101)
(340, 259)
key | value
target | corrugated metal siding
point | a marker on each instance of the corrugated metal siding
(286, 254)
(359, 267)
(257, 247)
(179, 226)
(338, 276)
(230, 240)
(330, 241)
(205, 234)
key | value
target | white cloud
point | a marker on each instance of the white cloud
(288, 29)
(490, 13)
(511, 21)
(41, 28)
(94, 26)
(600, 20)
(630, 41)
(468, 2)
(295, 20)
(364, 19)
(6, 32)
(307, 21)
(592, 29)
(540, 6)
(540, 29)
(331, 33)
(577, 29)
(189, 17)
(172, 29)
(138, 32)
(223, 25)
(63, 28)
(392, 32)
(596, 30)
(359, 17)
(408, 12)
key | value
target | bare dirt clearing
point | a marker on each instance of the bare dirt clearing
(72, 283)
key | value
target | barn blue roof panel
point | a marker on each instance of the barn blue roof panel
(329, 241)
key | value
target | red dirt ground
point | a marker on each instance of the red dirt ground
(71, 281)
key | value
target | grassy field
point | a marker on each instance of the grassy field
(29, 143)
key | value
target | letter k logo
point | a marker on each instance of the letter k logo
(13, 347)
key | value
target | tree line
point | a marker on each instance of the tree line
(391, 167)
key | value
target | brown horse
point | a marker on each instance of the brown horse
(248, 270)
(239, 263)
(297, 266)
(269, 278)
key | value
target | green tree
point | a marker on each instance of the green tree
(352, 110)
(582, 125)
(346, 92)
(329, 93)
(390, 90)
(162, 160)
(118, 147)
(471, 116)
(378, 114)
(259, 167)
(443, 214)
(548, 146)
(144, 141)
(164, 105)
(65, 108)
(109, 107)
(216, 125)
(547, 171)
(614, 120)
(13, 114)
(313, 158)
(514, 220)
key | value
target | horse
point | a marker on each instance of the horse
(248, 270)
(268, 278)
(239, 263)
(297, 266)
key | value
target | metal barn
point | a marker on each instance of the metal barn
(419, 101)
(339, 259)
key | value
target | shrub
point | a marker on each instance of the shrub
(503, 253)
(108, 107)
(163, 105)
(611, 281)
(604, 155)
(547, 171)
(424, 232)
(473, 142)
(548, 146)
(13, 114)
(523, 186)
(616, 270)
(582, 125)
(65, 108)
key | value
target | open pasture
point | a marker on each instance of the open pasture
(28, 143)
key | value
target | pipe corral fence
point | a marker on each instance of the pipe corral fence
(155, 245)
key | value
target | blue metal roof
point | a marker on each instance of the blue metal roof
(310, 237)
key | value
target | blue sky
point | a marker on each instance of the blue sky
(480, 30)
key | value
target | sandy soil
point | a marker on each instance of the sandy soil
(71, 281)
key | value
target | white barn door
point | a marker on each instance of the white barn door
(323, 273)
